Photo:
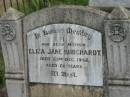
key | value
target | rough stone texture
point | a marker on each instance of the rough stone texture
(16, 88)
(118, 52)
(118, 47)
(65, 91)
(119, 13)
(12, 47)
(119, 82)
(119, 91)
(84, 16)
(109, 3)
(117, 43)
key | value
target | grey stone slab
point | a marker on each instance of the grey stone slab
(78, 15)
(119, 82)
(118, 50)
(14, 31)
(109, 3)
(16, 88)
(62, 49)
(119, 91)
(117, 44)
(85, 16)
(119, 13)
(46, 90)
(12, 47)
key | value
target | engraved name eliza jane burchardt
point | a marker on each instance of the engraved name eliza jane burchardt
(117, 33)
(65, 54)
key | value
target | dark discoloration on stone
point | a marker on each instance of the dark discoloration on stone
(65, 91)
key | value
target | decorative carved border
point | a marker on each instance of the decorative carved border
(117, 32)
(7, 31)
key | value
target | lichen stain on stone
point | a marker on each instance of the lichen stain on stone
(65, 91)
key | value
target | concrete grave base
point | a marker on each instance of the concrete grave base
(119, 91)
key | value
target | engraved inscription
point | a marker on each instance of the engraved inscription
(65, 54)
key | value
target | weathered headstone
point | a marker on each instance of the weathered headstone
(12, 47)
(117, 32)
(65, 31)
(63, 52)
(55, 52)
(109, 3)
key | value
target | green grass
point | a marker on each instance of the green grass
(68, 2)
(39, 4)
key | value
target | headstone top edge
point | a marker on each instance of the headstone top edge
(119, 13)
(74, 7)
(86, 8)
(12, 14)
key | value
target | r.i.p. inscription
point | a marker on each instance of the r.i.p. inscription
(65, 54)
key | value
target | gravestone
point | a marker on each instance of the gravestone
(54, 52)
(109, 3)
(118, 52)
(65, 54)
(66, 51)
(12, 48)
(57, 63)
